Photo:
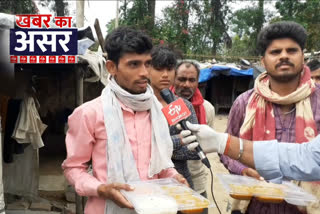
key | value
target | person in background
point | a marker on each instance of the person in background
(162, 75)
(314, 66)
(273, 160)
(123, 133)
(284, 104)
(186, 86)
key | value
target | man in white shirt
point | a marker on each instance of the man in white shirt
(273, 160)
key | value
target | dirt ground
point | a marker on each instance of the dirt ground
(224, 201)
(52, 182)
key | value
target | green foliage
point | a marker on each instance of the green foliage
(139, 15)
(174, 29)
(307, 14)
(60, 7)
(289, 9)
(17, 7)
(247, 23)
(111, 25)
(310, 18)
(94, 47)
(209, 31)
(203, 27)
(240, 46)
(196, 27)
(192, 26)
(167, 30)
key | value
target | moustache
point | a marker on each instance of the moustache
(142, 80)
(284, 63)
(186, 90)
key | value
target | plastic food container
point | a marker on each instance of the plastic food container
(244, 188)
(165, 196)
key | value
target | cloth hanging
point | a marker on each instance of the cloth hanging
(29, 127)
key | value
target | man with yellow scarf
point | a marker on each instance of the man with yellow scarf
(284, 104)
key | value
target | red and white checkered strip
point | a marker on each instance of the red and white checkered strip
(64, 59)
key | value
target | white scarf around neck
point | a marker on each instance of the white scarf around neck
(121, 165)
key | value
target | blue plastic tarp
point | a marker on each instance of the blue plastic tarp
(216, 70)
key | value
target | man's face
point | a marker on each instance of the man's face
(161, 79)
(132, 72)
(283, 60)
(315, 75)
(186, 81)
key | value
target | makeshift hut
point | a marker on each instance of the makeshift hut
(222, 84)
(40, 97)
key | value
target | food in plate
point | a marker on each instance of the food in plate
(266, 192)
(269, 193)
(154, 204)
(185, 198)
(193, 211)
(240, 192)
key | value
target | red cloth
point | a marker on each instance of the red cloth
(197, 102)
(259, 122)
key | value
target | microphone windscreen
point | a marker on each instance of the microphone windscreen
(167, 95)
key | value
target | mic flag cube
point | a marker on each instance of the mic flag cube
(176, 111)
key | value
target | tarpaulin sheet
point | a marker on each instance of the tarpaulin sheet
(216, 70)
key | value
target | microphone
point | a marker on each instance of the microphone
(177, 112)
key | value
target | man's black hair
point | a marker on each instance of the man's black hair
(125, 40)
(189, 63)
(163, 58)
(281, 30)
(313, 65)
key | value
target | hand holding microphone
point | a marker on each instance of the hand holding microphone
(177, 112)
(209, 140)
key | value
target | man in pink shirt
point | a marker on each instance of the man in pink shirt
(123, 132)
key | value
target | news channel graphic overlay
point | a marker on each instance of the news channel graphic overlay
(176, 111)
(34, 41)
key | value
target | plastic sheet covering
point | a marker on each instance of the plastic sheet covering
(216, 70)
(96, 66)
(83, 45)
(6, 21)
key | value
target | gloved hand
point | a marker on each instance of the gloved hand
(209, 139)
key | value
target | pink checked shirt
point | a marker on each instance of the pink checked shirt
(86, 140)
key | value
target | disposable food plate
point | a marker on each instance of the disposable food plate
(165, 196)
(244, 188)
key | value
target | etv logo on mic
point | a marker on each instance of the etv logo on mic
(176, 111)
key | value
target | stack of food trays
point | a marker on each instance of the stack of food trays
(165, 196)
(244, 188)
